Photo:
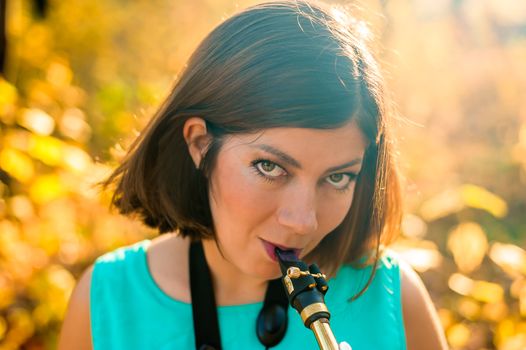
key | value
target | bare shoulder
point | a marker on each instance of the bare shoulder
(76, 331)
(423, 328)
(168, 265)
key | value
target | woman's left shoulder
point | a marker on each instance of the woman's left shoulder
(421, 321)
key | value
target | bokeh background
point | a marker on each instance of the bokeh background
(81, 78)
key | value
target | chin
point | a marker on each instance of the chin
(270, 273)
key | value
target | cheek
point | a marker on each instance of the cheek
(333, 212)
(237, 201)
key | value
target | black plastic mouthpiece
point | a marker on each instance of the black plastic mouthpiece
(286, 255)
(302, 285)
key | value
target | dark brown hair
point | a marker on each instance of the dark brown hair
(278, 64)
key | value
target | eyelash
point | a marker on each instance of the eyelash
(254, 167)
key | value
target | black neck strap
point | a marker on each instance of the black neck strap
(271, 323)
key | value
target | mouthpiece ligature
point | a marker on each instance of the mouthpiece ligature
(306, 287)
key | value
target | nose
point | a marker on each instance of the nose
(297, 212)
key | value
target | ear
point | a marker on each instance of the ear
(197, 138)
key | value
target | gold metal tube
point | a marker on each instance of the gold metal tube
(324, 335)
(308, 299)
(311, 309)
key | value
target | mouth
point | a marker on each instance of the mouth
(270, 248)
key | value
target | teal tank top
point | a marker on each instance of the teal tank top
(129, 311)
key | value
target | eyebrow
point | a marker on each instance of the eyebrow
(293, 162)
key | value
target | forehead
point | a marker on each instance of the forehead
(324, 146)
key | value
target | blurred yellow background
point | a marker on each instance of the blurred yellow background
(82, 77)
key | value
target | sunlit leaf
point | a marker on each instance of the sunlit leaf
(20, 324)
(461, 284)
(458, 335)
(2, 207)
(42, 315)
(7, 293)
(37, 121)
(17, 164)
(468, 308)
(515, 342)
(53, 288)
(517, 286)
(118, 152)
(149, 94)
(76, 159)
(70, 252)
(17, 139)
(8, 98)
(8, 93)
(73, 96)
(123, 122)
(423, 259)
(21, 207)
(480, 290)
(10, 233)
(47, 149)
(24, 259)
(520, 326)
(505, 330)
(519, 149)
(421, 256)
(480, 198)
(522, 302)
(59, 74)
(61, 278)
(446, 317)
(48, 240)
(454, 200)
(487, 292)
(73, 125)
(36, 44)
(46, 188)
(495, 311)
(469, 244)
(3, 327)
(21, 274)
(511, 258)
(41, 93)
(413, 226)
(87, 185)
(441, 205)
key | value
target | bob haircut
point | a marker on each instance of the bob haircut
(277, 64)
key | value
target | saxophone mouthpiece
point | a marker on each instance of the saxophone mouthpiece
(288, 259)
(306, 287)
(286, 255)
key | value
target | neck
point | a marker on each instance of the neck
(231, 286)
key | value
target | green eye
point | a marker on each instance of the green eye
(268, 169)
(341, 181)
(336, 178)
(267, 166)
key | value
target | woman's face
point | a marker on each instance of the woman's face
(286, 187)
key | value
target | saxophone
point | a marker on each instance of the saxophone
(305, 288)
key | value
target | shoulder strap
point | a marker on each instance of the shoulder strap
(204, 311)
(271, 323)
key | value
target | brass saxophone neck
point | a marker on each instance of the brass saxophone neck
(306, 287)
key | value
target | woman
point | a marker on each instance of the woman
(275, 136)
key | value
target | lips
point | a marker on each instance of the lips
(271, 247)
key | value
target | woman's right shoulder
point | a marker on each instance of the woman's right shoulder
(164, 258)
(76, 329)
